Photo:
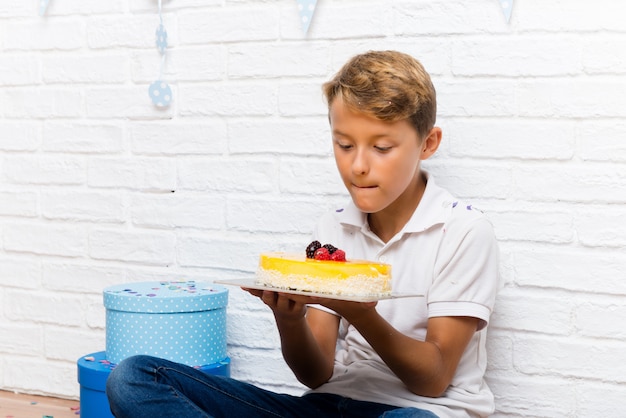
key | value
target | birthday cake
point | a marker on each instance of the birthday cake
(324, 269)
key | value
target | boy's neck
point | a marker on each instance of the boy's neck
(389, 221)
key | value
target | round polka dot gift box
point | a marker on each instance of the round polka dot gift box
(182, 321)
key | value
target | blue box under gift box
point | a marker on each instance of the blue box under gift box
(182, 321)
(93, 372)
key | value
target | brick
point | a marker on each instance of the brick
(265, 368)
(278, 216)
(125, 102)
(20, 272)
(22, 204)
(596, 60)
(517, 56)
(29, 65)
(600, 399)
(225, 175)
(524, 396)
(178, 210)
(95, 68)
(77, 137)
(471, 97)
(241, 99)
(57, 34)
(566, 357)
(42, 103)
(83, 205)
(443, 17)
(148, 174)
(546, 98)
(543, 226)
(294, 60)
(228, 24)
(531, 312)
(575, 269)
(83, 342)
(202, 63)
(600, 319)
(89, 7)
(602, 140)
(301, 99)
(284, 136)
(35, 169)
(19, 136)
(46, 239)
(83, 279)
(14, 10)
(22, 339)
(307, 177)
(151, 248)
(609, 232)
(40, 375)
(571, 183)
(246, 327)
(170, 138)
(580, 16)
(510, 139)
(340, 21)
(122, 31)
(42, 307)
(469, 180)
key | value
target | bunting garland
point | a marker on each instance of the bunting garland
(159, 91)
(507, 9)
(306, 8)
(43, 6)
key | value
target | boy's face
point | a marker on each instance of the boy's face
(378, 161)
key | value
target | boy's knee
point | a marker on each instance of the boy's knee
(129, 370)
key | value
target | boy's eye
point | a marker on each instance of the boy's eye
(382, 148)
(344, 146)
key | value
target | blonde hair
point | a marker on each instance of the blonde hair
(387, 85)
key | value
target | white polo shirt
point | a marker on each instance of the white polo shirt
(446, 252)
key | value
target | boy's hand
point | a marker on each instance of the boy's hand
(282, 305)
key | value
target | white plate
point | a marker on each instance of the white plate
(250, 283)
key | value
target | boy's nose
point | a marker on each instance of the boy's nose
(360, 164)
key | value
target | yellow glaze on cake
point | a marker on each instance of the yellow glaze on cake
(296, 272)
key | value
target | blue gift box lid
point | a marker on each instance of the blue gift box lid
(165, 297)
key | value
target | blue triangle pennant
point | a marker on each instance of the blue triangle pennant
(306, 9)
(507, 9)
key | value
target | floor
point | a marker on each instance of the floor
(30, 406)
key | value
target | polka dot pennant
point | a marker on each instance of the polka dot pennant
(159, 91)
(507, 9)
(43, 6)
(182, 321)
(306, 9)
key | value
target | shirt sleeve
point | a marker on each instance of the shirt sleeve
(465, 277)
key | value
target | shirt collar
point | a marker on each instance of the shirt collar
(433, 209)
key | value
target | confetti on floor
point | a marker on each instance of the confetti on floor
(31, 406)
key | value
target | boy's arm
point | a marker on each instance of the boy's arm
(308, 337)
(426, 367)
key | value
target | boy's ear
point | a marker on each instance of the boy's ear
(431, 143)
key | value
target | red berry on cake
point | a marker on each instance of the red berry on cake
(310, 250)
(338, 255)
(322, 254)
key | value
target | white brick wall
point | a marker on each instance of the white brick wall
(98, 187)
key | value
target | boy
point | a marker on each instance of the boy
(406, 357)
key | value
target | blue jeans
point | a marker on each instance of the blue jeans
(144, 386)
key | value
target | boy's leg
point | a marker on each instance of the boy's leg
(144, 386)
(408, 413)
